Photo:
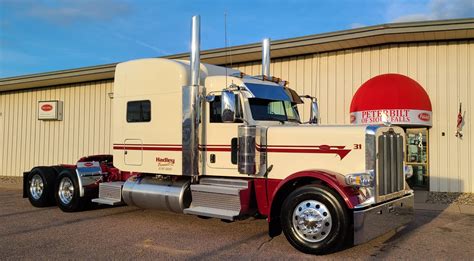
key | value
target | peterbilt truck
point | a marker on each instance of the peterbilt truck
(204, 140)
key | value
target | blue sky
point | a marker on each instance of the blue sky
(44, 35)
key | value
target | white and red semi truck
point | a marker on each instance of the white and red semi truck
(204, 140)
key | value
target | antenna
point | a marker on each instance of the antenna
(225, 44)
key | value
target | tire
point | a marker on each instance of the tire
(315, 220)
(40, 190)
(67, 192)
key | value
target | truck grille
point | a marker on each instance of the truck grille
(390, 159)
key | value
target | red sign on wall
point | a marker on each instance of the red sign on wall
(50, 110)
(47, 107)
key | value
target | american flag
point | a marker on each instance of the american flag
(459, 118)
(459, 123)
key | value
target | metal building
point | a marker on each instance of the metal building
(439, 55)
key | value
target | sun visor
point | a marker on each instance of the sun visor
(269, 92)
(295, 98)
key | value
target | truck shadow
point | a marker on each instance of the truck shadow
(25, 212)
(65, 223)
(224, 248)
(427, 208)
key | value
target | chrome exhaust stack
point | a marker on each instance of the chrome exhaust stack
(191, 106)
(266, 58)
(195, 50)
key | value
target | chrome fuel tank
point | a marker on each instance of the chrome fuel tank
(153, 193)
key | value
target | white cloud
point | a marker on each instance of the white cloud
(69, 11)
(17, 57)
(141, 43)
(433, 10)
(357, 25)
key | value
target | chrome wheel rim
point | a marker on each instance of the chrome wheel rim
(66, 190)
(36, 187)
(311, 221)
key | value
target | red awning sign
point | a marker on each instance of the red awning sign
(395, 116)
(398, 98)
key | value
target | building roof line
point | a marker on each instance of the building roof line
(388, 28)
(442, 30)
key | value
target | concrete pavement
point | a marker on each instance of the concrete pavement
(130, 233)
(420, 204)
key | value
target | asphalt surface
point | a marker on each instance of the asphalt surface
(130, 233)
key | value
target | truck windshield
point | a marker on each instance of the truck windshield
(271, 110)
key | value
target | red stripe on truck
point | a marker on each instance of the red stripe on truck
(319, 149)
(147, 148)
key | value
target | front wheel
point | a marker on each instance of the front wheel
(314, 220)
(67, 192)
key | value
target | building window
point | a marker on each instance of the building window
(139, 111)
(215, 110)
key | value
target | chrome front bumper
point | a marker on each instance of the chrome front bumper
(374, 221)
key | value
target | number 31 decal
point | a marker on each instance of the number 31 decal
(357, 146)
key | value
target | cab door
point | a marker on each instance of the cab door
(220, 145)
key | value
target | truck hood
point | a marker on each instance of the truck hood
(294, 148)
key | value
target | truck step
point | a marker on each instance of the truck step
(220, 198)
(216, 189)
(212, 212)
(110, 193)
(104, 201)
(224, 182)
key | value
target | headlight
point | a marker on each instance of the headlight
(364, 179)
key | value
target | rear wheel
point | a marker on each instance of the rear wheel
(314, 220)
(67, 192)
(41, 187)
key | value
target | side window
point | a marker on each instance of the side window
(139, 111)
(215, 110)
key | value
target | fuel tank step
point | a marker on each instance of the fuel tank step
(238, 183)
(110, 193)
(212, 212)
(220, 198)
(104, 201)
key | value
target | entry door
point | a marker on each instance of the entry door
(133, 153)
(219, 139)
(417, 157)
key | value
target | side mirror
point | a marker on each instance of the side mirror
(210, 98)
(228, 106)
(314, 116)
